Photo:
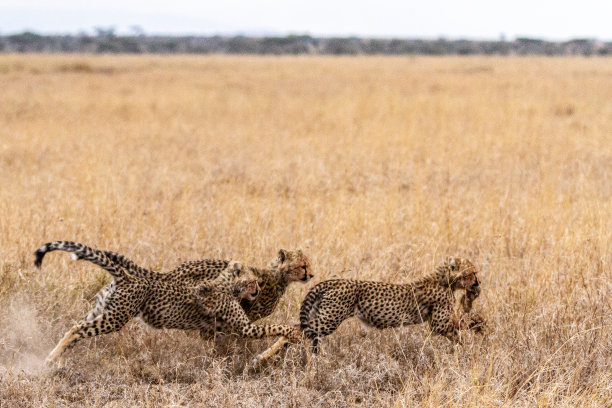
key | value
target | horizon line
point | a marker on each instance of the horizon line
(265, 34)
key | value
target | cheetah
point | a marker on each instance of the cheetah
(165, 303)
(288, 267)
(383, 305)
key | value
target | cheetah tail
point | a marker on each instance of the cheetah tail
(80, 251)
(42, 251)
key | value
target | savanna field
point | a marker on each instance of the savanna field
(377, 168)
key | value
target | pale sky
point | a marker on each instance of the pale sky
(452, 19)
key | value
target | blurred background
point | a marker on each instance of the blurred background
(520, 27)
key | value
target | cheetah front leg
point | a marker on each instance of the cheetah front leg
(472, 321)
(468, 298)
(240, 324)
(102, 324)
(253, 331)
(442, 323)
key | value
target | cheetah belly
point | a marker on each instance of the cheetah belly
(185, 317)
(416, 315)
(222, 327)
(389, 312)
(380, 318)
(142, 322)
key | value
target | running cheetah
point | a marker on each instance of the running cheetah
(289, 266)
(165, 303)
(384, 305)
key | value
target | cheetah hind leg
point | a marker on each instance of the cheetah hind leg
(102, 324)
(262, 358)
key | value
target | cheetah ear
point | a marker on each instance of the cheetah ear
(452, 264)
(237, 268)
(282, 255)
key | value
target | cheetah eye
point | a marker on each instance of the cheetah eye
(304, 268)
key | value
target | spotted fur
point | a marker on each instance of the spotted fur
(384, 305)
(290, 266)
(165, 302)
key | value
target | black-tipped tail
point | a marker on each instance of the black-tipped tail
(40, 254)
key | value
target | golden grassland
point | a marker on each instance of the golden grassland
(377, 168)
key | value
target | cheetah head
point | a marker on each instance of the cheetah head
(293, 265)
(241, 279)
(248, 290)
(462, 274)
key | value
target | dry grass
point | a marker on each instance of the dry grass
(376, 167)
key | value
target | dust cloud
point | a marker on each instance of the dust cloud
(23, 344)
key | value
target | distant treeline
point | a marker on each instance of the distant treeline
(106, 41)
